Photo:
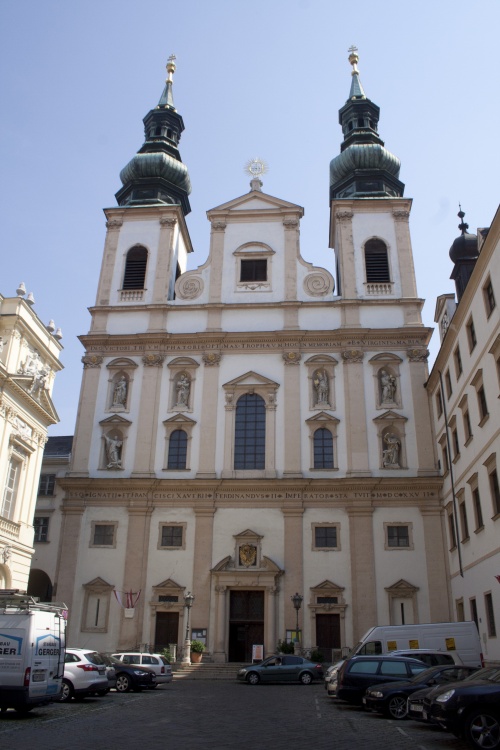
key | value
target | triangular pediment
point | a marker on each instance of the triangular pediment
(327, 586)
(248, 534)
(42, 402)
(250, 378)
(98, 583)
(169, 584)
(115, 420)
(323, 416)
(179, 419)
(390, 416)
(257, 201)
(402, 586)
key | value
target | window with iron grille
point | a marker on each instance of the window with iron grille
(376, 262)
(323, 449)
(250, 432)
(327, 600)
(398, 536)
(325, 536)
(41, 526)
(177, 450)
(135, 268)
(47, 484)
(104, 535)
(168, 598)
(171, 536)
(254, 269)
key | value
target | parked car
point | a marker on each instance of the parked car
(157, 662)
(282, 668)
(361, 672)
(84, 674)
(132, 676)
(110, 672)
(428, 656)
(416, 700)
(391, 698)
(469, 709)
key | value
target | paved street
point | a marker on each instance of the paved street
(217, 715)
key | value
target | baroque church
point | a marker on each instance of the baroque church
(254, 428)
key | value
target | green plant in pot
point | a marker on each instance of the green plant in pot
(197, 649)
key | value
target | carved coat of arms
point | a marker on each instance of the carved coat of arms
(248, 555)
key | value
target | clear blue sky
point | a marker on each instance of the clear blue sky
(263, 78)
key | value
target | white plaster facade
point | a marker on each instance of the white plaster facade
(471, 495)
(29, 361)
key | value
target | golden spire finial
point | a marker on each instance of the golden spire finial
(353, 59)
(170, 68)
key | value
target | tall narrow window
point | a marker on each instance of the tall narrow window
(376, 261)
(135, 268)
(495, 492)
(177, 450)
(471, 334)
(483, 406)
(323, 449)
(476, 501)
(11, 488)
(473, 612)
(447, 380)
(451, 528)
(490, 615)
(489, 298)
(467, 426)
(47, 484)
(464, 522)
(439, 403)
(41, 527)
(458, 362)
(250, 432)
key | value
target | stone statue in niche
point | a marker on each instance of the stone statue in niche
(120, 392)
(39, 382)
(183, 388)
(390, 456)
(113, 452)
(32, 364)
(387, 387)
(321, 387)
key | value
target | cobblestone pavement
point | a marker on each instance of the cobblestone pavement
(216, 715)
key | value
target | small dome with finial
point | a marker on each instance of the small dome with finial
(464, 248)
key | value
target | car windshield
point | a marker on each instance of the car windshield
(492, 674)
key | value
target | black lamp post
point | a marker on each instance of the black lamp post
(188, 603)
(297, 603)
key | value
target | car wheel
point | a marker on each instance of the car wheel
(397, 707)
(67, 691)
(253, 678)
(482, 729)
(123, 683)
(306, 678)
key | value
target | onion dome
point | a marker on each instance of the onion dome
(364, 168)
(156, 174)
(463, 253)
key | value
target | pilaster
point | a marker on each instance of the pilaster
(363, 573)
(149, 412)
(293, 581)
(208, 421)
(355, 413)
(135, 573)
(86, 411)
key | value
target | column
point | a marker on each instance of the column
(271, 635)
(208, 421)
(135, 574)
(422, 413)
(68, 587)
(149, 411)
(363, 573)
(293, 580)
(292, 434)
(219, 654)
(113, 226)
(202, 564)
(440, 608)
(84, 430)
(291, 225)
(355, 413)
(216, 265)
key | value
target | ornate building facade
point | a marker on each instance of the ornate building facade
(29, 361)
(246, 430)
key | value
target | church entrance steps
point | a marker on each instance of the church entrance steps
(206, 671)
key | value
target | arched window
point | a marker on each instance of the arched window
(250, 433)
(323, 449)
(135, 268)
(177, 450)
(376, 262)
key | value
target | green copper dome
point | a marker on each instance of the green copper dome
(364, 168)
(156, 174)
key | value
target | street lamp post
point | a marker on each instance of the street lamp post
(188, 603)
(297, 603)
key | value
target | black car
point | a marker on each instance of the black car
(416, 700)
(469, 709)
(391, 698)
(129, 677)
(360, 672)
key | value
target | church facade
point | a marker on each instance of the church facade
(253, 429)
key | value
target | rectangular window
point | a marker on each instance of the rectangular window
(41, 526)
(46, 485)
(490, 615)
(398, 536)
(104, 535)
(471, 334)
(447, 380)
(451, 528)
(446, 464)
(495, 492)
(478, 513)
(253, 270)
(439, 403)
(456, 446)
(171, 536)
(458, 362)
(483, 406)
(325, 537)
(463, 521)
(11, 488)
(489, 298)
(467, 426)
(473, 612)
(460, 610)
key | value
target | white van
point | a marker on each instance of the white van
(461, 639)
(32, 642)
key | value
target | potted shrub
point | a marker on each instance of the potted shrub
(197, 649)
